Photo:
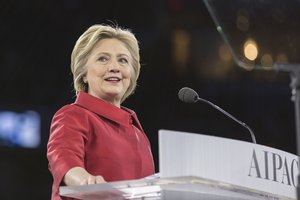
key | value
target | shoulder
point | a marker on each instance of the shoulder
(73, 109)
(70, 108)
(70, 112)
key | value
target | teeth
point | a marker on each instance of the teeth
(112, 79)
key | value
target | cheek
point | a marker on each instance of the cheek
(128, 73)
(95, 73)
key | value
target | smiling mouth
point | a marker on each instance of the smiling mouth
(112, 79)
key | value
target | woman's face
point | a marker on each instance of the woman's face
(109, 69)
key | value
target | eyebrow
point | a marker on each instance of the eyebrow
(118, 55)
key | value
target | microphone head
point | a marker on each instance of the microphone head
(188, 95)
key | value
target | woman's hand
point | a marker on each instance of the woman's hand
(79, 176)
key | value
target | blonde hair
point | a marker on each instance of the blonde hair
(86, 43)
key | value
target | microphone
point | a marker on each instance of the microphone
(188, 95)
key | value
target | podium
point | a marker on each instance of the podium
(195, 166)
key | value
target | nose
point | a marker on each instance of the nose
(114, 66)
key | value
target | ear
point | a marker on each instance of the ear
(84, 79)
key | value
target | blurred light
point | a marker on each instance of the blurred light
(20, 129)
(219, 29)
(250, 50)
(176, 5)
(266, 60)
(242, 20)
(242, 23)
(224, 53)
(181, 44)
(282, 59)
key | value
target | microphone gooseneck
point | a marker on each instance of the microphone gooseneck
(189, 95)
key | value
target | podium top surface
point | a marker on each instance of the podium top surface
(188, 187)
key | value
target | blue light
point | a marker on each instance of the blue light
(20, 129)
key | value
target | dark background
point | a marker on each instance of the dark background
(179, 47)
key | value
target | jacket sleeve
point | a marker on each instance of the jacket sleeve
(66, 145)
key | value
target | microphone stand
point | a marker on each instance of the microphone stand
(232, 117)
(294, 70)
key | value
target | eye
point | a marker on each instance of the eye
(103, 59)
(123, 60)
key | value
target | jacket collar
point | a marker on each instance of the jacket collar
(121, 116)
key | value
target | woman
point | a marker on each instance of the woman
(95, 139)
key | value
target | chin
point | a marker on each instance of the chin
(114, 95)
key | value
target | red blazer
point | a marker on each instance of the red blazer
(100, 137)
